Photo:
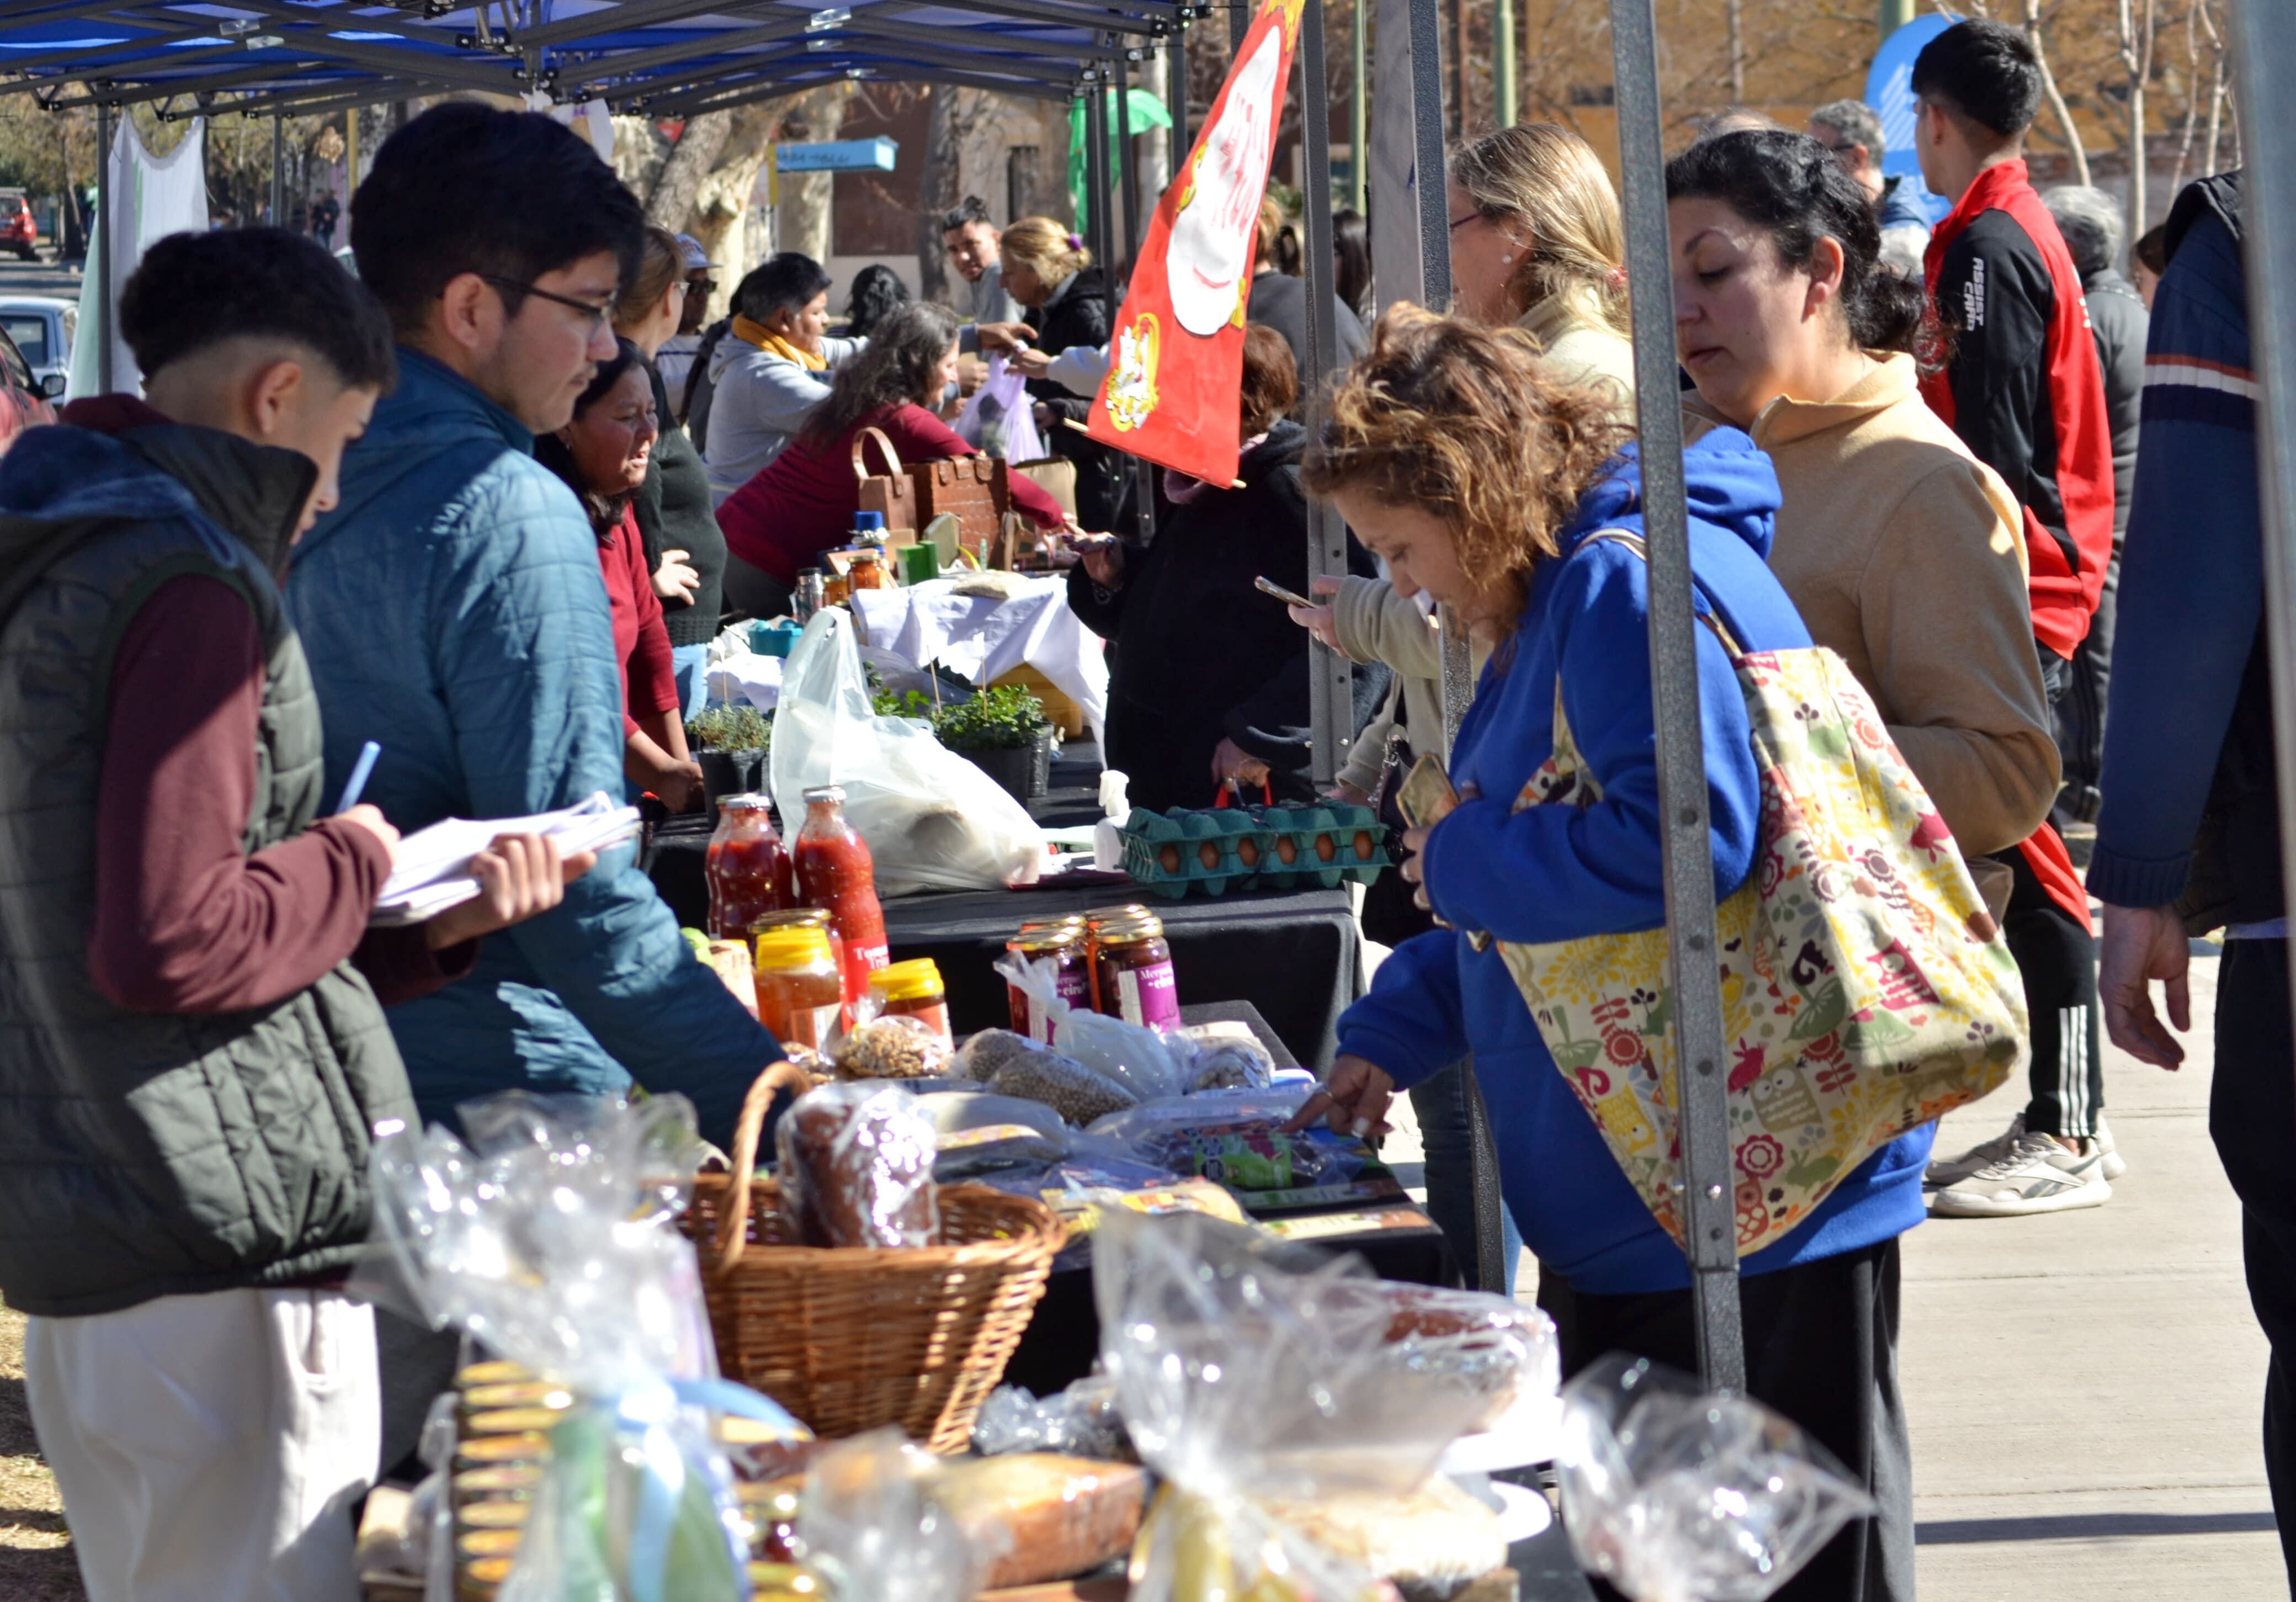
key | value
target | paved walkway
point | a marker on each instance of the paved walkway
(2084, 1388)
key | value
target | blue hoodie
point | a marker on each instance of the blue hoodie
(1555, 872)
(453, 609)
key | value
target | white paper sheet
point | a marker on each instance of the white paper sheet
(433, 867)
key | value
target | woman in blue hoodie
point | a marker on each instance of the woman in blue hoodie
(1483, 483)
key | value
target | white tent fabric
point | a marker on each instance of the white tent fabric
(151, 197)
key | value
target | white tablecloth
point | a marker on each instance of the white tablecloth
(985, 638)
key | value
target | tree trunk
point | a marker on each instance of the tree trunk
(1734, 13)
(937, 188)
(2049, 90)
(2137, 55)
(679, 187)
(723, 203)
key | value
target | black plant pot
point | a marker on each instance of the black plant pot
(1048, 739)
(728, 773)
(1019, 771)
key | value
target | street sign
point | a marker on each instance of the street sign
(837, 155)
(1890, 91)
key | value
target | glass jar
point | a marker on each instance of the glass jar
(747, 869)
(1060, 941)
(800, 992)
(913, 988)
(834, 871)
(1132, 974)
(868, 572)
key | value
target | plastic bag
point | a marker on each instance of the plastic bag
(869, 1524)
(1220, 1060)
(998, 419)
(551, 1238)
(856, 1168)
(1675, 1494)
(1493, 1348)
(1243, 1381)
(894, 1046)
(983, 1054)
(976, 1133)
(1137, 1058)
(932, 820)
(1234, 1138)
(1082, 1421)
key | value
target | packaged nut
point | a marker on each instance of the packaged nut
(1069, 1088)
(895, 1046)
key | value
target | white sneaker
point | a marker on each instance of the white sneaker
(2038, 1175)
(2115, 1164)
(1943, 1171)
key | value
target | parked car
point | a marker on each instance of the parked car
(25, 401)
(18, 230)
(43, 330)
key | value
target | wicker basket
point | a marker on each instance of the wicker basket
(850, 1339)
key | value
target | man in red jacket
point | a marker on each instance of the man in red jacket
(2013, 367)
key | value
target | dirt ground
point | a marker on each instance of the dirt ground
(36, 1558)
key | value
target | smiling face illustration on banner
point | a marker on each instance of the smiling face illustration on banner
(1212, 236)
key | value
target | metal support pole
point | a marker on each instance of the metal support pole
(1360, 107)
(1175, 99)
(278, 172)
(2268, 135)
(100, 256)
(1502, 101)
(1709, 1199)
(1128, 172)
(1099, 231)
(1239, 23)
(1331, 681)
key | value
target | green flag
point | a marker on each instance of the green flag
(1147, 112)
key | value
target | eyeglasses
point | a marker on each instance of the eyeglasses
(1458, 222)
(596, 314)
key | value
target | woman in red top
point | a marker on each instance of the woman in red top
(602, 454)
(803, 502)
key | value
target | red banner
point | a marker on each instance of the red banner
(1176, 359)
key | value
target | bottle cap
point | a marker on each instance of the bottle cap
(915, 980)
(865, 521)
(792, 946)
(825, 792)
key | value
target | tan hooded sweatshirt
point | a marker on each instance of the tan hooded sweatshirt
(1901, 550)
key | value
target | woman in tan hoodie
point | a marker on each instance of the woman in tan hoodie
(1901, 550)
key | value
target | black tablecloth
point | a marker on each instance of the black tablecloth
(1295, 955)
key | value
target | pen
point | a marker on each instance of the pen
(360, 769)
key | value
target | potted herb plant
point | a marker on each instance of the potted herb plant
(1005, 733)
(731, 743)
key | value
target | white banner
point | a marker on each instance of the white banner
(150, 197)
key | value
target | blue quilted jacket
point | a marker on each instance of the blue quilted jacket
(452, 609)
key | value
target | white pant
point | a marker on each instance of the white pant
(209, 1449)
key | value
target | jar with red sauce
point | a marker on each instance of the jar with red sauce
(747, 869)
(1060, 941)
(834, 871)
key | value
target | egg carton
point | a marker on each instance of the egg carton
(1327, 844)
(1205, 851)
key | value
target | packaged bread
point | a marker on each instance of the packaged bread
(1432, 1543)
(1492, 1347)
(1058, 1516)
(857, 1169)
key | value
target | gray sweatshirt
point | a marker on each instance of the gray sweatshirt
(762, 402)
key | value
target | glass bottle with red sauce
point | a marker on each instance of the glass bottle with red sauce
(834, 872)
(748, 871)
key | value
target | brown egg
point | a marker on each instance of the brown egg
(1209, 853)
(1327, 847)
(1247, 851)
(1287, 848)
(1364, 844)
(1169, 859)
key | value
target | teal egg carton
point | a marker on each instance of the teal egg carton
(1183, 852)
(1327, 844)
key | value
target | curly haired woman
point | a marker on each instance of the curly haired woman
(1451, 453)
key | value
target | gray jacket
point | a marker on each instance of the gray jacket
(762, 399)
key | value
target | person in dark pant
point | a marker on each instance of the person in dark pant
(2015, 372)
(2189, 837)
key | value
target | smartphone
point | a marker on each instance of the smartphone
(1425, 797)
(1268, 587)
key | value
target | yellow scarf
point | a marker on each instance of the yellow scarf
(765, 339)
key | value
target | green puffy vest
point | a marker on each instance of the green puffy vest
(146, 1154)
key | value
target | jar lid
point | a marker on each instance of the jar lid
(792, 946)
(825, 792)
(1109, 915)
(1047, 938)
(915, 980)
(1147, 925)
(795, 917)
(744, 803)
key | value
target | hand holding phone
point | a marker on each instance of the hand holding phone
(1268, 587)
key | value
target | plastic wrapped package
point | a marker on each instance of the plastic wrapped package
(1493, 1348)
(1219, 1058)
(1068, 1087)
(1234, 1138)
(1139, 1059)
(1048, 1515)
(893, 1046)
(868, 1523)
(1244, 1384)
(552, 1240)
(856, 1168)
(983, 1054)
(1082, 1421)
(1676, 1494)
(975, 1133)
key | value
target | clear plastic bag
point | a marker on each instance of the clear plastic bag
(869, 1524)
(1082, 1421)
(1676, 1494)
(998, 419)
(932, 820)
(1243, 1381)
(1234, 1137)
(551, 1238)
(856, 1168)
(893, 1047)
(1140, 1060)
(977, 1133)
(1219, 1060)
(1493, 1348)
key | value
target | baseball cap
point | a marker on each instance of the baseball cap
(690, 251)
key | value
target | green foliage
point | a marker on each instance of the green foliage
(730, 728)
(1002, 719)
(901, 704)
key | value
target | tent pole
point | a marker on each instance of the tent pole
(1708, 1184)
(2268, 140)
(278, 172)
(106, 242)
(1331, 679)
(1175, 100)
(1502, 53)
(1128, 171)
(1360, 108)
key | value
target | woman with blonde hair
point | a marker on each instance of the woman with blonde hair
(684, 552)
(1452, 454)
(1063, 295)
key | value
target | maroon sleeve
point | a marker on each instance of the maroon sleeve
(400, 966)
(185, 921)
(652, 675)
(920, 436)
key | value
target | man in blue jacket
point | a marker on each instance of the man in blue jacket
(2189, 838)
(453, 611)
